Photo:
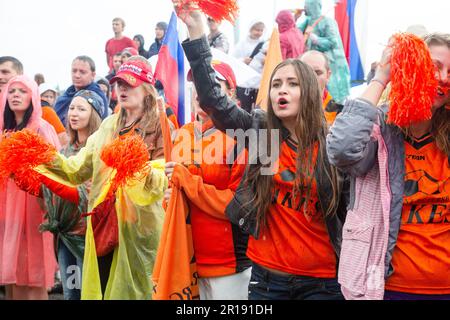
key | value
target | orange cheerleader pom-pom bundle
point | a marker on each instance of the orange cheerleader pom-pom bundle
(20, 153)
(217, 9)
(413, 81)
(128, 155)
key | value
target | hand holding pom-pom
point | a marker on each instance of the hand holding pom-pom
(20, 153)
(187, 11)
(413, 81)
(128, 155)
(383, 71)
(216, 9)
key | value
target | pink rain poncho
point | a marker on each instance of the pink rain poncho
(27, 257)
(291, 39)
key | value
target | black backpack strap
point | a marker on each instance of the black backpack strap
(256, 50)
(211, 42)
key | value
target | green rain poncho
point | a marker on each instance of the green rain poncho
(65, 217)
(325, 38)
(139, 212)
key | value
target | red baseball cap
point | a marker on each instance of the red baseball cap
(132, 51)
(134, 73)
(223, 72)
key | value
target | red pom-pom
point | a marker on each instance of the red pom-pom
(217, 9)
(128, 155)
(413, 81)
(20, 152)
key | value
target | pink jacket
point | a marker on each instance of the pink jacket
(36, 123)
(366, 232)
(291, 39)
(27, 257)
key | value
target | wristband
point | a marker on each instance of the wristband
(379, 81)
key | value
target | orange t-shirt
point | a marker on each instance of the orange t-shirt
(330, 108)
(422, 256)
(291, 243)
(329, 115)
(49, 115)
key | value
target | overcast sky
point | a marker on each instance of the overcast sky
(47, 34)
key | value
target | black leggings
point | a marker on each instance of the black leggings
(104, 267)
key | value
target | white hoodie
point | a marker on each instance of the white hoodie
(245, 47)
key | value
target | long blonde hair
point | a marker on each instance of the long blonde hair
(149, 119)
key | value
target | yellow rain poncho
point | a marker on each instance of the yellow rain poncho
(139, 212)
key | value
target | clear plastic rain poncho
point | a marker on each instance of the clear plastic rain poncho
(27, 257)
(139, 212)
(325, 38)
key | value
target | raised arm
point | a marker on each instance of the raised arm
(349, 144)
(74, 170)
(223, 111)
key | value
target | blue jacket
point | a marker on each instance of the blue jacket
(63, 102)
(154, 48)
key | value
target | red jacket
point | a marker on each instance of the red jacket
(291, 39)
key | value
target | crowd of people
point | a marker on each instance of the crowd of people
(306, 226)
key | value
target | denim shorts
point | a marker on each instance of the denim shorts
(266, 285)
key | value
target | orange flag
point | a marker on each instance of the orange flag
(273, 58)
(175, 271)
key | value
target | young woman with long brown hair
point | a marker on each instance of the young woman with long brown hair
(124, 270)
(291, 213)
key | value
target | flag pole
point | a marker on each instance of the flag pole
(236, 27)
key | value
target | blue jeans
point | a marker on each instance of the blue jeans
(266, 285)
(71, 268)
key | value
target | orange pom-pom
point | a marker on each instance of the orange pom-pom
(413, 81)
(217, 9)
(20, 153)
(128, 155)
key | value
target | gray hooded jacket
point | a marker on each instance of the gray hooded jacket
(350, 148)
